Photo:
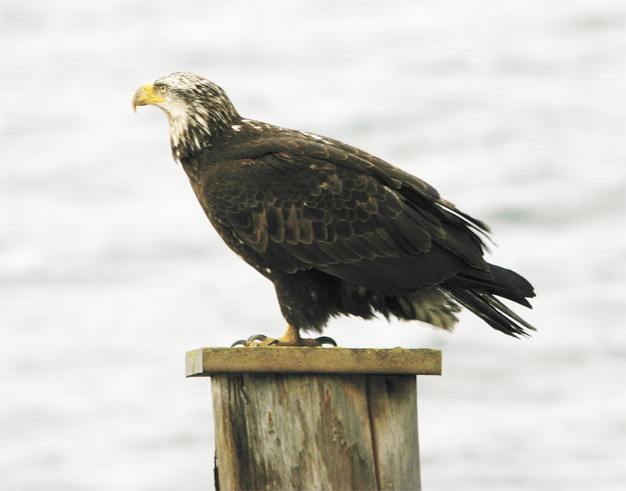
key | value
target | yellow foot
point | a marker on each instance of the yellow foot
(290, 338)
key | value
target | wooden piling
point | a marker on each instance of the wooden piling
(315, 418)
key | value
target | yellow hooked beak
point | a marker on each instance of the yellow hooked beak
(147, 94)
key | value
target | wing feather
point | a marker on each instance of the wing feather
(349, 214)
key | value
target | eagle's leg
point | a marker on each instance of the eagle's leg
(290, 338)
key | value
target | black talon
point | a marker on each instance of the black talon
(257, 337)
(326, 340)
(263, 340)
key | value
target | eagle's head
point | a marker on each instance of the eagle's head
(198, 110)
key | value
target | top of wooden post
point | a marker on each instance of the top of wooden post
(204, 362)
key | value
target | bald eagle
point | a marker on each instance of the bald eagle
(335, 229)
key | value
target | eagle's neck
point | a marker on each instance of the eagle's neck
(194, 128)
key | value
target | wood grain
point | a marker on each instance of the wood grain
(315, 431)
(205, 362)
(393, 419)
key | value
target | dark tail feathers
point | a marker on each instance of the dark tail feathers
(477, 295)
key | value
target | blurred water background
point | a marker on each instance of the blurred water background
(109, 271)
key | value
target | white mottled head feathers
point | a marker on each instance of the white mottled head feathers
(197, 111)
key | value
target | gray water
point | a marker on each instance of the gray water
(109, 272)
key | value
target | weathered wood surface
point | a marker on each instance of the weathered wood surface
(316, 432)
(397, 361)
(393, 418)
(315, 418)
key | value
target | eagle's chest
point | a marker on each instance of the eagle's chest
(223, 195)
(224, 188)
